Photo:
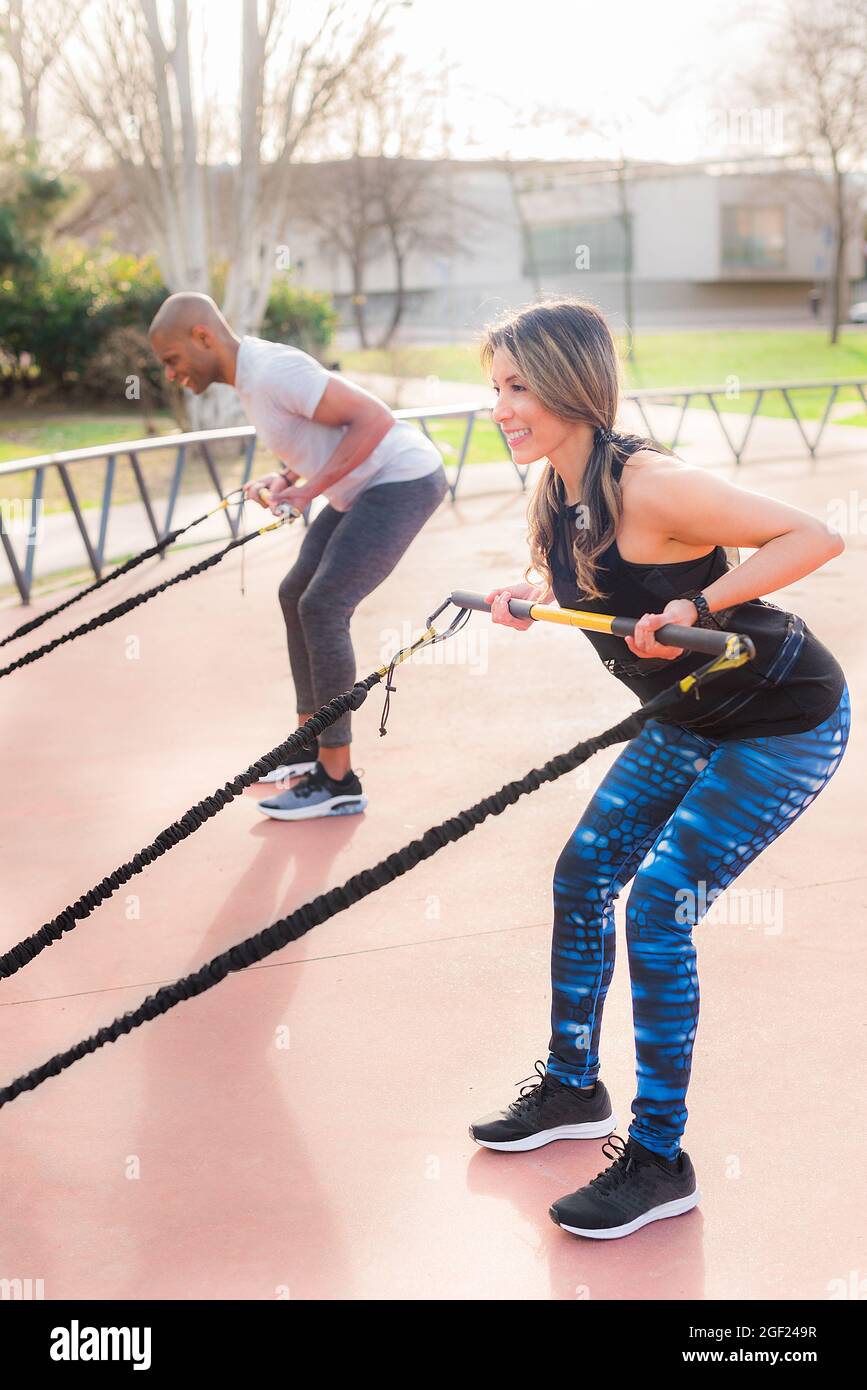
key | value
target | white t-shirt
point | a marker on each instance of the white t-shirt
(280, 388)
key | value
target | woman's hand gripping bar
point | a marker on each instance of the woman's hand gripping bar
(695, 639)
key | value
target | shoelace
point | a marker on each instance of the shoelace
(532, 1094)
(311, 782)
(613, 1177)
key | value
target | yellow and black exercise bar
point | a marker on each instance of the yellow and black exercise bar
(732, 649)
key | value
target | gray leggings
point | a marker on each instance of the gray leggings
(343, 557)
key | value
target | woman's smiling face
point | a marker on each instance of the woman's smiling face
(531, 430)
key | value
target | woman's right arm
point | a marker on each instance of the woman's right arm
(499, 601)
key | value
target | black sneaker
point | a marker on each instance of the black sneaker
(316, 795)
(638, 1187)
(546, 1110)
(298, 764)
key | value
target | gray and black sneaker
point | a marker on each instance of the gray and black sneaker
(639, 1187)
(298, 764)
(317, 794)
(545, 1110)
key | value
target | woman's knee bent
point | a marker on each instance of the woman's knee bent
(580, 878)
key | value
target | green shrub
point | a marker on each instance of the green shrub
(30, 199)
(304, 318)
(60, 315)
(125, 371)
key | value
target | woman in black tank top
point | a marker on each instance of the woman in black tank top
(792, 685)
(617, 525)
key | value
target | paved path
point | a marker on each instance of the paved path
(304, 1125)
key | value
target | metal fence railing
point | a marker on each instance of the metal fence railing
(684, 397)
(469, 414)
(185, 446)
(94, 548)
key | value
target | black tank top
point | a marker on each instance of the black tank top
(792, 685)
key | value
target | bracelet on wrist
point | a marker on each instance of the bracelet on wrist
(704, 617)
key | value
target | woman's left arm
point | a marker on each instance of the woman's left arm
(367, 421)
(699, 509)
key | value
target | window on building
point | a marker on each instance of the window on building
(754, 237)
(559, 248)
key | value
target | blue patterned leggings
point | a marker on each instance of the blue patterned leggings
(683, 815)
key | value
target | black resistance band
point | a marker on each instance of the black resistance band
(733, 650)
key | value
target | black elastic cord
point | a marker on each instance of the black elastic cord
(192, 820)
(132, 563)
(318, 910)
(121, 609)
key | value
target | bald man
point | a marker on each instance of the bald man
(381, 478)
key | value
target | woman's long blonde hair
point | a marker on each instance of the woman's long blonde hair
(564, 351)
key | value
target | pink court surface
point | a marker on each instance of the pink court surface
(301, 1130)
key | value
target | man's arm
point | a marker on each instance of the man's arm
(367, 421)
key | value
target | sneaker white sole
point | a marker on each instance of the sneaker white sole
(282, 774)
(594, 1129)
(340, 806)
(676, 1208)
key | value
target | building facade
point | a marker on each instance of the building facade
(660, 245)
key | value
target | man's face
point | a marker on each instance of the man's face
(189, 358)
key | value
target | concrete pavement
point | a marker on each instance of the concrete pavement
(303, 1127)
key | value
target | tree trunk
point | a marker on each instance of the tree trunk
(399, 295)
(193, 187)
(628, 278)
(245, 269)
(28, 90)
(838, 277)
(358, 301)
(181, 188)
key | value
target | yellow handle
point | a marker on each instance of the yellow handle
(590, 622)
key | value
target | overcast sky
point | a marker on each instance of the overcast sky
(659, 78)
(662, 71)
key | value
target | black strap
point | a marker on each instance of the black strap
(121, 609)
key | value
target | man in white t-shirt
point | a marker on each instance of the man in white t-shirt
(382, 479)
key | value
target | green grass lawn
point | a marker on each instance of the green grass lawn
(50, 430)
(677, 360)
(486, 441)
(660, 360)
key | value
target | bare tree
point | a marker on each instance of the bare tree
(619, 170)
(289, 84)
(138, 91)
(32, 36)
(340, 200)
(615, 170)
(420, 210)
(133, 86)
(815, 69)
(385, 197)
